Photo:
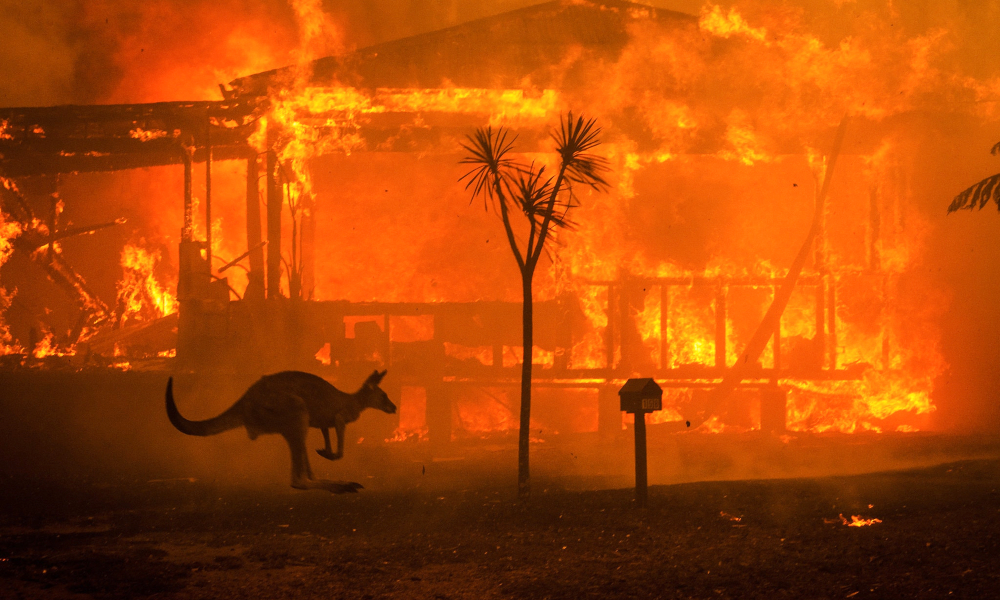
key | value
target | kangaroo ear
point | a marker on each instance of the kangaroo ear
(379, 376)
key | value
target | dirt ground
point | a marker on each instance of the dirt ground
(939, 537)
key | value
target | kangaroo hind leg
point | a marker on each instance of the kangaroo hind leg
(302, 477)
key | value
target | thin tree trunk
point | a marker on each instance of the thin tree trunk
(523, 481)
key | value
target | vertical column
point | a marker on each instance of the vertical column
(187, 229)
(625, 325)
(720, 326)
(831, 324)
(274, 200)
(820, 340)
(887, 292)
(777, 345)
(665, 361)
(609, 331)
(308, 258)
(53, 217)
(208, 191)
(874, 231)
(641, 487)
(255, 288)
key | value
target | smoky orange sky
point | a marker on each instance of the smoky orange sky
(110, 51)
(117, 51)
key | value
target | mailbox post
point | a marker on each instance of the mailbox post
(640, 396)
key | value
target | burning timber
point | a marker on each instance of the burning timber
(818, 367)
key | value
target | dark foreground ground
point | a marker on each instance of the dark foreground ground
(939, 537)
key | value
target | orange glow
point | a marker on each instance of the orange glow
(412, 415)
(858, 521)
(140, 296)
(718, 133)
(8, 231)
(323, 355)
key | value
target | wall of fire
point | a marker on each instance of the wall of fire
(666, 274)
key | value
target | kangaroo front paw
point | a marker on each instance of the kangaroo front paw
(327, 454)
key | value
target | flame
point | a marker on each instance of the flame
(858, 521)
(725, 25)
(323, 355)
(47, 346)
(140, 296)
(9, 230)
(704, 117)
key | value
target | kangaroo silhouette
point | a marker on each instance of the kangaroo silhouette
(289, 403)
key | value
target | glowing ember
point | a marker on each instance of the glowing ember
(858, 521)
(144, 135)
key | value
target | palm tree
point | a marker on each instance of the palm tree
(981, 193)
(544, 201)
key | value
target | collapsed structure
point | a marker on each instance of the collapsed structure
(616, 304)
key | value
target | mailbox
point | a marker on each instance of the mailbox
(641, 395)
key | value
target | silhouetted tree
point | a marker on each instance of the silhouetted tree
(544, 201)
(981, 193)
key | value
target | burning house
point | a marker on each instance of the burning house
(312, 219)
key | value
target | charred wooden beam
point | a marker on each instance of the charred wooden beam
(720, 327)
(274, 202)
(255, 287)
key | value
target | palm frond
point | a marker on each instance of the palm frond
(573, 142)
(488, 153)
(978, 195)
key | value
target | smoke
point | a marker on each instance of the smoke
(118, 51)
(911, 56)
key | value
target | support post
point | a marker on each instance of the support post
(255, 287)
(625, 323)
(664, 326)
(776, 342)
(609, 331)
(208, 191)
(640, 396)
(820, 340)
(831, 324)
(720, 327)
(274, 200)
(187, 229)
(53, 217)
(308, 248)
(641, 484)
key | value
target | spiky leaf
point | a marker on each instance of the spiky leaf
(488, 152)
(979, 195)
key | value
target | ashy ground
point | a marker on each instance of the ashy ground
(938, 537)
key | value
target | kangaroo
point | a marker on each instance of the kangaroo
(289, 403)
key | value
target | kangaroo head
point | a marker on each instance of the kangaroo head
(373, 394)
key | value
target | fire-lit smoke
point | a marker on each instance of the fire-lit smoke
(718, 128)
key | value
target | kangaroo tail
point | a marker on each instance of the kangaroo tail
(230, 419)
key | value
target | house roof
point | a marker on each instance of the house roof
(517, 49)
(528, 45)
